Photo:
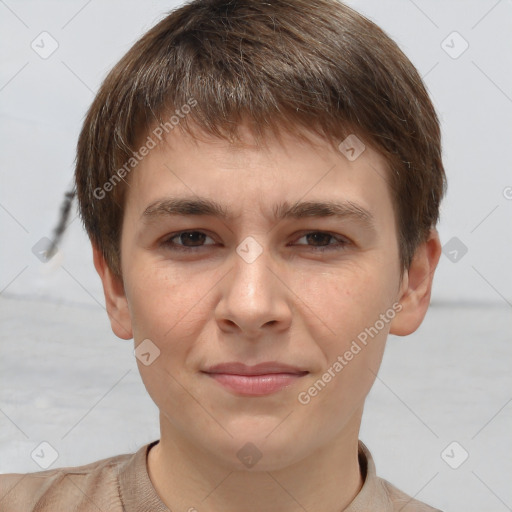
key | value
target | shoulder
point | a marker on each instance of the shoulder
(402, 501)
(89, 487)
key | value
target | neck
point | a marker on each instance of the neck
(187, 478)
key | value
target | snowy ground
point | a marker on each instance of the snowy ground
(67, 380)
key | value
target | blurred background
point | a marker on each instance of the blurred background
(438, 419)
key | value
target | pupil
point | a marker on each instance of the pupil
(191, 237)
(316, 236)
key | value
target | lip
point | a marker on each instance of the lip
(258, 380)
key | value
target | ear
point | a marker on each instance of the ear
(416, 287)
(115, 298)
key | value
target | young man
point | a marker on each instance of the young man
(260, 182)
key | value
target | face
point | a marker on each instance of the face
(293, 304)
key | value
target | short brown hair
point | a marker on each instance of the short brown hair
(280, 65)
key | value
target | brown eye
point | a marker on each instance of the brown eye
(186, 240)
(321, 240)
(191, 238)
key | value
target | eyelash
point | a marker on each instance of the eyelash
(168, 244)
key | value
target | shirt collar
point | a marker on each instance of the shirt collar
(135, 488)
(373, 494)
(138, 494)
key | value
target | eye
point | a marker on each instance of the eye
(321, 241)
(189, 240)
(193, 240)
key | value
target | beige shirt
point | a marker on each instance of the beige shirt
(122, 483)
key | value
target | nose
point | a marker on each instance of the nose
(255, 299)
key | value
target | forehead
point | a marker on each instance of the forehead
(266, 177)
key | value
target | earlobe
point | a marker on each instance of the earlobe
(417, 287)
(115, 298)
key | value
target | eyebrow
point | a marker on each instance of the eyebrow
(201, 206)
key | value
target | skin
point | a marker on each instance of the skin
(291, 305)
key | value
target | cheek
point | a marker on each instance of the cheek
(166, 308)
(162, 302)
(170, 308)
(352, 357)
(352, 312)
(344, 301)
